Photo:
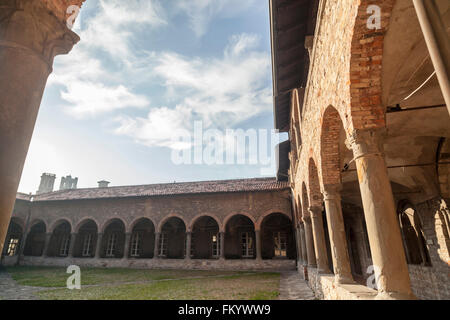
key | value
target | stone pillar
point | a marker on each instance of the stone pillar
(156, 249)
(319, 240)
(383, 229)
(126, 250)
(22, 243)
(336, 230)
(299, 247)
(48, 237)
(31, 35)
(222, 245)
(311, 255)
(303, 244)
(98, 251)
(188, 245)
(73, 239)
(258, 244)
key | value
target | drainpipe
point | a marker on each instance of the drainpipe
(437, 42)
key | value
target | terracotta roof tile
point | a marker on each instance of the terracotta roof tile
(223, 186)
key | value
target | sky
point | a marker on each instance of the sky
(143, 70)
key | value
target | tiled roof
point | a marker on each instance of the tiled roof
(23, 196)
(224, 186)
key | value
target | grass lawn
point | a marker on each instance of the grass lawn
(114, 284)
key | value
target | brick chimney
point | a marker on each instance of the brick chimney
(68, 183)
(103, 184)
(47, 183)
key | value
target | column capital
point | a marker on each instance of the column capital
(315, 211)
(366, 142)
(38, 27)
(332, 192)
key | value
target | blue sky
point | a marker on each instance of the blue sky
(143, 69)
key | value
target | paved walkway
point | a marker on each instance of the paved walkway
(293, 287)
(11, 290)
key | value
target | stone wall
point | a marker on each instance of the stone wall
(179, 264)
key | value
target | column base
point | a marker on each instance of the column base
(324, 271)
(395, 296)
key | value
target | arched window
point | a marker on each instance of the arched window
(412, 233)
(13, 239)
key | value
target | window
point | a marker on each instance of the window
(215, 245)
(136, 242)
(64, 249)
(111, 246)
(13, 245)
(163, 244)
(280, 244)
(413, 238)
(87, 245)
(246, 245)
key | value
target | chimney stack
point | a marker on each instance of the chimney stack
(47, 183)
(103, 184)
(68, 183)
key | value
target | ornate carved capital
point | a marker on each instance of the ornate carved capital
(366, 142)
(332, 192)
(34, 27)
(315, 211)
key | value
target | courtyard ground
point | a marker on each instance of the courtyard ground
(49, 283)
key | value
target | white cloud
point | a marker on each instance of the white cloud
(92, 88)
(90, 98)
(219, 92)
(202, 12)
(111, 29)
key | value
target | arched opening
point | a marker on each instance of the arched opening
(142, 244)
(60, 240)
(355, 260)
(35, 243)
(240, 238)
(316, 200)
(412, 234)
(86, 240)
(172, 240)
(113, 241)
(277, 237)
(205, 241)
(13, 239)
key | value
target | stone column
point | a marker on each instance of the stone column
(22, 243)
(126, 250)
(299, 247)
(156, 249)
(258, 244)
(319, 240)
(31, 35)
(303, 244)
(383, 228)
(48, 237)
(73, 239)
(222, 245)
(311, 255)
(188, 245)
(336, 230)
(98, 251)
